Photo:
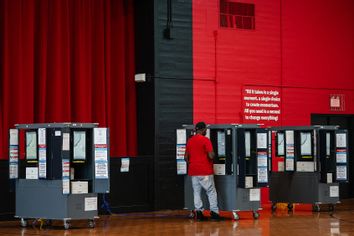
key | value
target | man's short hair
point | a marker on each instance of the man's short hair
(200, 125)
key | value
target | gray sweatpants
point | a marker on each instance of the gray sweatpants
(207, 183)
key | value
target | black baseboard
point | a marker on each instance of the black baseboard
(7, 203)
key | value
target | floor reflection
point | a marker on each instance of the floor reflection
(176, 223)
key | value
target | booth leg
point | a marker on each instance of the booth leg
(191, 214)
(91, 223)
(255, 215)
(23, 222)
(235, 215)
(66, 224)
(290, 207)
(316, 208)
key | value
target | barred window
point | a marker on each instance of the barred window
(237, 15)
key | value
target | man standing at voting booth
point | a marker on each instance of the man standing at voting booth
(199, 156)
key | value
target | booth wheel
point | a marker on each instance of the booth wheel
(91, 223)
(235, 215)
(66, 224)
(191, 215)
(255, 215)
(23, 222)
(290, 207)
(316, 208)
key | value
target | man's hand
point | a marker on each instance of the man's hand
(211, 155)
(186, 157)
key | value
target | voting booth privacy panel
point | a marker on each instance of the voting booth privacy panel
(241, 165)
(64, 168)
(315, 161)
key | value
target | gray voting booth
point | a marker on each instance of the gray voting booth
(240, 166)
(64, 168)
(315, 162)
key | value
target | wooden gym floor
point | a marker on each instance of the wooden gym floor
(173, 223)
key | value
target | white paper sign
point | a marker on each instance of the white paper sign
(255, 195)
(13, 154)
(305, 166)
(66, 141)
(13, 137)
(101, 163)
(101, 154)
(219, 169)
(341, 140)
(329, 178)
(262, 140)
(341, 157)
(66, 169)
(13, 172)
(42, 154)
(289, 136)
(249, 182)
(180, 151)
(101, 170)
(100, 135)
(90, 203)
(31, 173)
(66, 186)
(262, 161)
(262, 175)
(181, 136)
(341, 172)
(281, 166)
(289, 164)
(124, 165)
(41, 136)
(181, 167)
(334, 191)
(42, 166)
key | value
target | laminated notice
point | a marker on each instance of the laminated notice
(334, 191)
(90, 203)
(124, 165)
(262, 140)
(219, 169)
(181, 136)
(341, 172)
(255, 195)
(100, 135)
(181, 167)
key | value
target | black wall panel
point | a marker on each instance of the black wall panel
(173, 80)
(144, 63)
(165, 101)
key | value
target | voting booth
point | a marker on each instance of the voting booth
(65, 166)
(315, 161)
(241, 166)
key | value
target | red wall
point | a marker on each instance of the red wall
(303, 47)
